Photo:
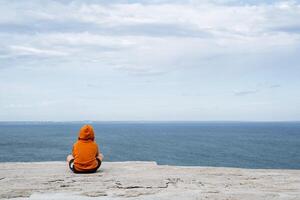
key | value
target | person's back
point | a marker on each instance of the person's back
(85, 157)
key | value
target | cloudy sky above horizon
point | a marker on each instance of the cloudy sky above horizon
(149, 60)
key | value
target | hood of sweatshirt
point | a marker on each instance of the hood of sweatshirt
(86, 133)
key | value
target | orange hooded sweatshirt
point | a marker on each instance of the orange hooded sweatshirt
(85, 150)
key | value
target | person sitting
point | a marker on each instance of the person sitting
(86, 156)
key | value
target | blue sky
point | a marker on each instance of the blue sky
(149, 60)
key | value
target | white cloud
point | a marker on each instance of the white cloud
(245, 92)
(163, 32)
(60, 49)
(23, 50)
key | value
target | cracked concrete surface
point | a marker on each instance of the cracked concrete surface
(145, 180)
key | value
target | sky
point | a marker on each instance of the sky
(160, 60)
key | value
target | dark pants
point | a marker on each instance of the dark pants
(71, 166)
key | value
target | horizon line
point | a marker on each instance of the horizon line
(151, 121)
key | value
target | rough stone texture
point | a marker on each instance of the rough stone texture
(145, 180)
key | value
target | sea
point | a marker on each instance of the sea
(267, 145)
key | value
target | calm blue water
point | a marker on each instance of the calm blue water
(247, 145)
